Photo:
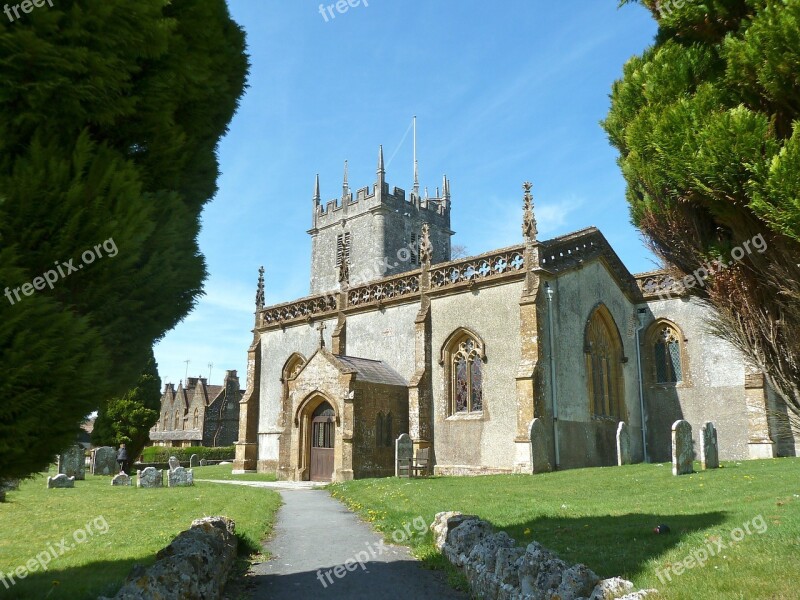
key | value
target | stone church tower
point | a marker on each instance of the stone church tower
(377, 232)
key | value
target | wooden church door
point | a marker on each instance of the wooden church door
(323, 434)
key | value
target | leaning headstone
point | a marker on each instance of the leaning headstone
(623, 444)
(180, 477)
(149, 477)
(60, 481)
(682, 453)
(709, 449)
(194, 461)
(173, 463)
(203, 462)
(104, 461)
(121, 479)
(9, 485)
(72, 462)
(540, 454)
(403, 452)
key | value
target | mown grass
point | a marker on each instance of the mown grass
(604, 517)
(139, 523)
(224, 472)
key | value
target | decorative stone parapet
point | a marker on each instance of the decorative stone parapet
(497, 569)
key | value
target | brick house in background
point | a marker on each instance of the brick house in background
(199, 414)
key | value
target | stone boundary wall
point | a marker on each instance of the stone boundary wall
(497, 569)
(196, 564)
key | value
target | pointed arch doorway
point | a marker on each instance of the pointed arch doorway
(323, 436)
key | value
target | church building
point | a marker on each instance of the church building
(518, 360)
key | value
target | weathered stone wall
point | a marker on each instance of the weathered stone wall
(380, 222)
(196, 564)
(276, 347)
(372, 457)
(480, 443)
(712, 390)
(784, 426)
(497, 569)
(386, 335)
(586, 440)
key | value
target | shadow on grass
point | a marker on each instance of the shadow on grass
(612, 545)
(99, 578)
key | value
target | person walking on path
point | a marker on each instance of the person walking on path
(122, 458)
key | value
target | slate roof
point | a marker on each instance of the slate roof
(372, 371)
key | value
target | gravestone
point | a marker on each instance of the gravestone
(149, 477)
(540, 453)
(180, 477)
(9, 485)
(623, 444)
(682, 453)
(709, 449)
(104, 461)
(121, 479)
(194, 461)
(203, 462)
(60, 481)
(403, 452)
(173, 463)
(72, 462)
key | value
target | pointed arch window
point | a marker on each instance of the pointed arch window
(196, 419)
(383, 431)
(177, 420)
(463, 357)
(604, 359)
(667, 351)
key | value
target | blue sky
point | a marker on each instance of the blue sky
(503, 93)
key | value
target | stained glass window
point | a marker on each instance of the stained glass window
(462, 385)
(467, 376)
(667, 352)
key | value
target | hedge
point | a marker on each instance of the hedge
(161, 454)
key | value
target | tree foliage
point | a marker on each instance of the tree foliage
(128, 419)
(111, 116)
(707, 123)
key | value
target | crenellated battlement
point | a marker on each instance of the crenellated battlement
(373, 225)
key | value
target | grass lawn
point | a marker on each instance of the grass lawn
(137, 522)
(224, 472)
(604, 517)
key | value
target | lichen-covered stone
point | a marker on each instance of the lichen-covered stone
(612, 588)
(180, 477)
(682, 451)
(72, 462)
(121, 479)
(444, 523)
(104, 461)
(195, 565)
(149, 477)
(60, 481)
(173, 463)
(577, 582)
(463, 539)
(497, 569)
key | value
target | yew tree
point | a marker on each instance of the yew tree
(707, 124)
(110, 117)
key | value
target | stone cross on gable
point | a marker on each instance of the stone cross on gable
(321, 329)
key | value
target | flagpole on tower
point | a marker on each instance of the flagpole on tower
(416, 169)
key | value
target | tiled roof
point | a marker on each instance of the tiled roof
(373, 371)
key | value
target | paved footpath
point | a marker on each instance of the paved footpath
(315, 533)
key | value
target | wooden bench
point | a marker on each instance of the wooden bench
(414, 467)
(420, 464)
